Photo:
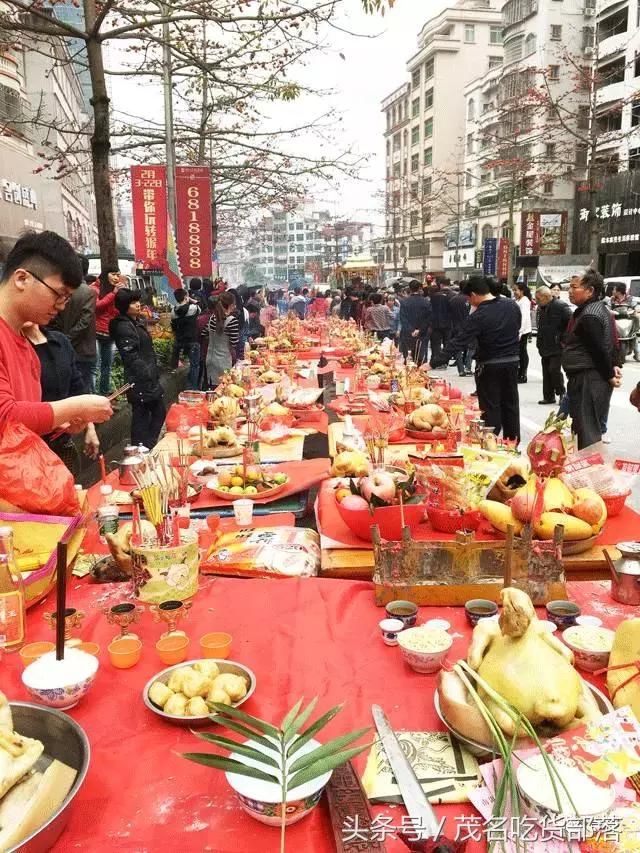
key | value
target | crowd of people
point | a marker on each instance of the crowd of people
(59, 329)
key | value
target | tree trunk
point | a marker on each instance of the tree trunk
(101, 145)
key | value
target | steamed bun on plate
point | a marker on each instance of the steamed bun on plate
(233, 685)
(217, 694)
(208, 668)
(159, 693)
(197, 707)
(176, 705)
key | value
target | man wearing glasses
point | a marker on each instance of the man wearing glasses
(588, 358)
(41, 273)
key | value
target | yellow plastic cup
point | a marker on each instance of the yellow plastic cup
(33, 651)
(217, 644)
(124, 652)
(89, 648)
(173, 649)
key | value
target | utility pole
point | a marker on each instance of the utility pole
(167, 81)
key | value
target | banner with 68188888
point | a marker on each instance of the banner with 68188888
(193, 215)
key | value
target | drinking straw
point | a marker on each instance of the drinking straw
(61, 597)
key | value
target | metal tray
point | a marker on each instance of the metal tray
(63, 740)
(223, 665)
(481, 750)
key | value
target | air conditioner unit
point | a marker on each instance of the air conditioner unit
(588, 49)
(589, 12)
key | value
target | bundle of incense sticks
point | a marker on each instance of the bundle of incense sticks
(122, 390)
(162, 489)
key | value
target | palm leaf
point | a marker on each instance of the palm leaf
(234, 746)
(320, 723)
(327, 749)
(242, 730)
(290, 717)
(299, 721)
(229, 711)
(219, 762)
(324, 765)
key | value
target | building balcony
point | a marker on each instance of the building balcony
(613, 44)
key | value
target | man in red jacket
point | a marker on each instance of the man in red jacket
(41, 273)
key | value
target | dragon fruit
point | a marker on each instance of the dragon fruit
(548, 449)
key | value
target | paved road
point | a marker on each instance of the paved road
(624, 419)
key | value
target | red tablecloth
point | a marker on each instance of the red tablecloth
(301, 638)
(618, 529)
(302, 475)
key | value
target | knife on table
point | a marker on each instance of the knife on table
(427, 827)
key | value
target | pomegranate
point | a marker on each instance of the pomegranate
(547, 450)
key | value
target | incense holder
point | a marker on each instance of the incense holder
(72, 620)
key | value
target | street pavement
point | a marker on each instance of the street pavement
(624, 419)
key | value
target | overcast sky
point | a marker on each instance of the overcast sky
(373, 66)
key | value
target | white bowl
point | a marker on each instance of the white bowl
(589, 659)
(263, 800)
(424, 660)
(60, 683)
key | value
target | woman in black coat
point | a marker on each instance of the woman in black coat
(135, 346)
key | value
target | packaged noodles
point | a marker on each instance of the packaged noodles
(264, 552)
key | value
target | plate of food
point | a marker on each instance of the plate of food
(218, 443)
(270, 377)
(181, 694)
(41, 774)
(253, 482)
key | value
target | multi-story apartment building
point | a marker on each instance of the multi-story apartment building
(33, 83)
(616, 48)
(303, 245)
(519, 155)
(425, 126)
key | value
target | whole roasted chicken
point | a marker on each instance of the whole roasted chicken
(526, 665)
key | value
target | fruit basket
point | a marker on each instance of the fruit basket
(452, 520)
(388, 519)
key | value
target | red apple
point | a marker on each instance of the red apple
(354, 502)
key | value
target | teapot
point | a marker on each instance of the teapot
(625, 573)
(127, 467)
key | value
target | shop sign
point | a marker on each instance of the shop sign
(15, 193)
(543, 233)
(490, 255)
(504, 247)
(149, 201)
(193, 214)
(459, 258)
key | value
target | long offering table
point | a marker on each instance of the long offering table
(301, 638)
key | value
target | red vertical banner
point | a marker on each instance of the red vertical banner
(149, 201)
(504, 247)
(193, 215)
(530, 233)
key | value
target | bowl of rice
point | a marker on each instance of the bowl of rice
(424, 649)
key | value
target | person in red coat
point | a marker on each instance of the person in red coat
(109, 283)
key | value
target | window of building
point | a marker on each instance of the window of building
(613, 25)
(387, 254)
(513, 49)
(514, 11)
(556, 32)
(415, 79)
(419, 248)
(484, 177)
(299, 226)
(554, 72)
(505, 230)
(429, 68)
(487, 232)
(469, 33)
(413, 221)
(428, 156)
(427, 184)
(396, 170)
(495, 62)
(396, 142)
(415, 135)
(547, 187)
(471, 110)
(415, 107)
(550, 150)
(530, 44)
(428, 98)
(469, 143)
(426, 215)
(300, 238)
(428, 128)
(634, 159)
(394, 117)
(635, 113)
(588, 35)
(495, 35)
(583, 117)
(468, 180)
(415, 162)
(414, 189)
(388, 173)
(388, 147)
(581, 154)
(404, 167)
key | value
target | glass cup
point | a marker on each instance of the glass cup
(243, 511)
(173, 649)
(125, 652)
(33, 651)
(216, 645)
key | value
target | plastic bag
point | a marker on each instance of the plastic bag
(265, 552)
(32, 477)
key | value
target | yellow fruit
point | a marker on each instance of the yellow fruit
(574, 528)
(236, 490)
(557, 495)
(500, 516)
(253, 474)
(224, 478)
(342, 493)
(237, 481)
